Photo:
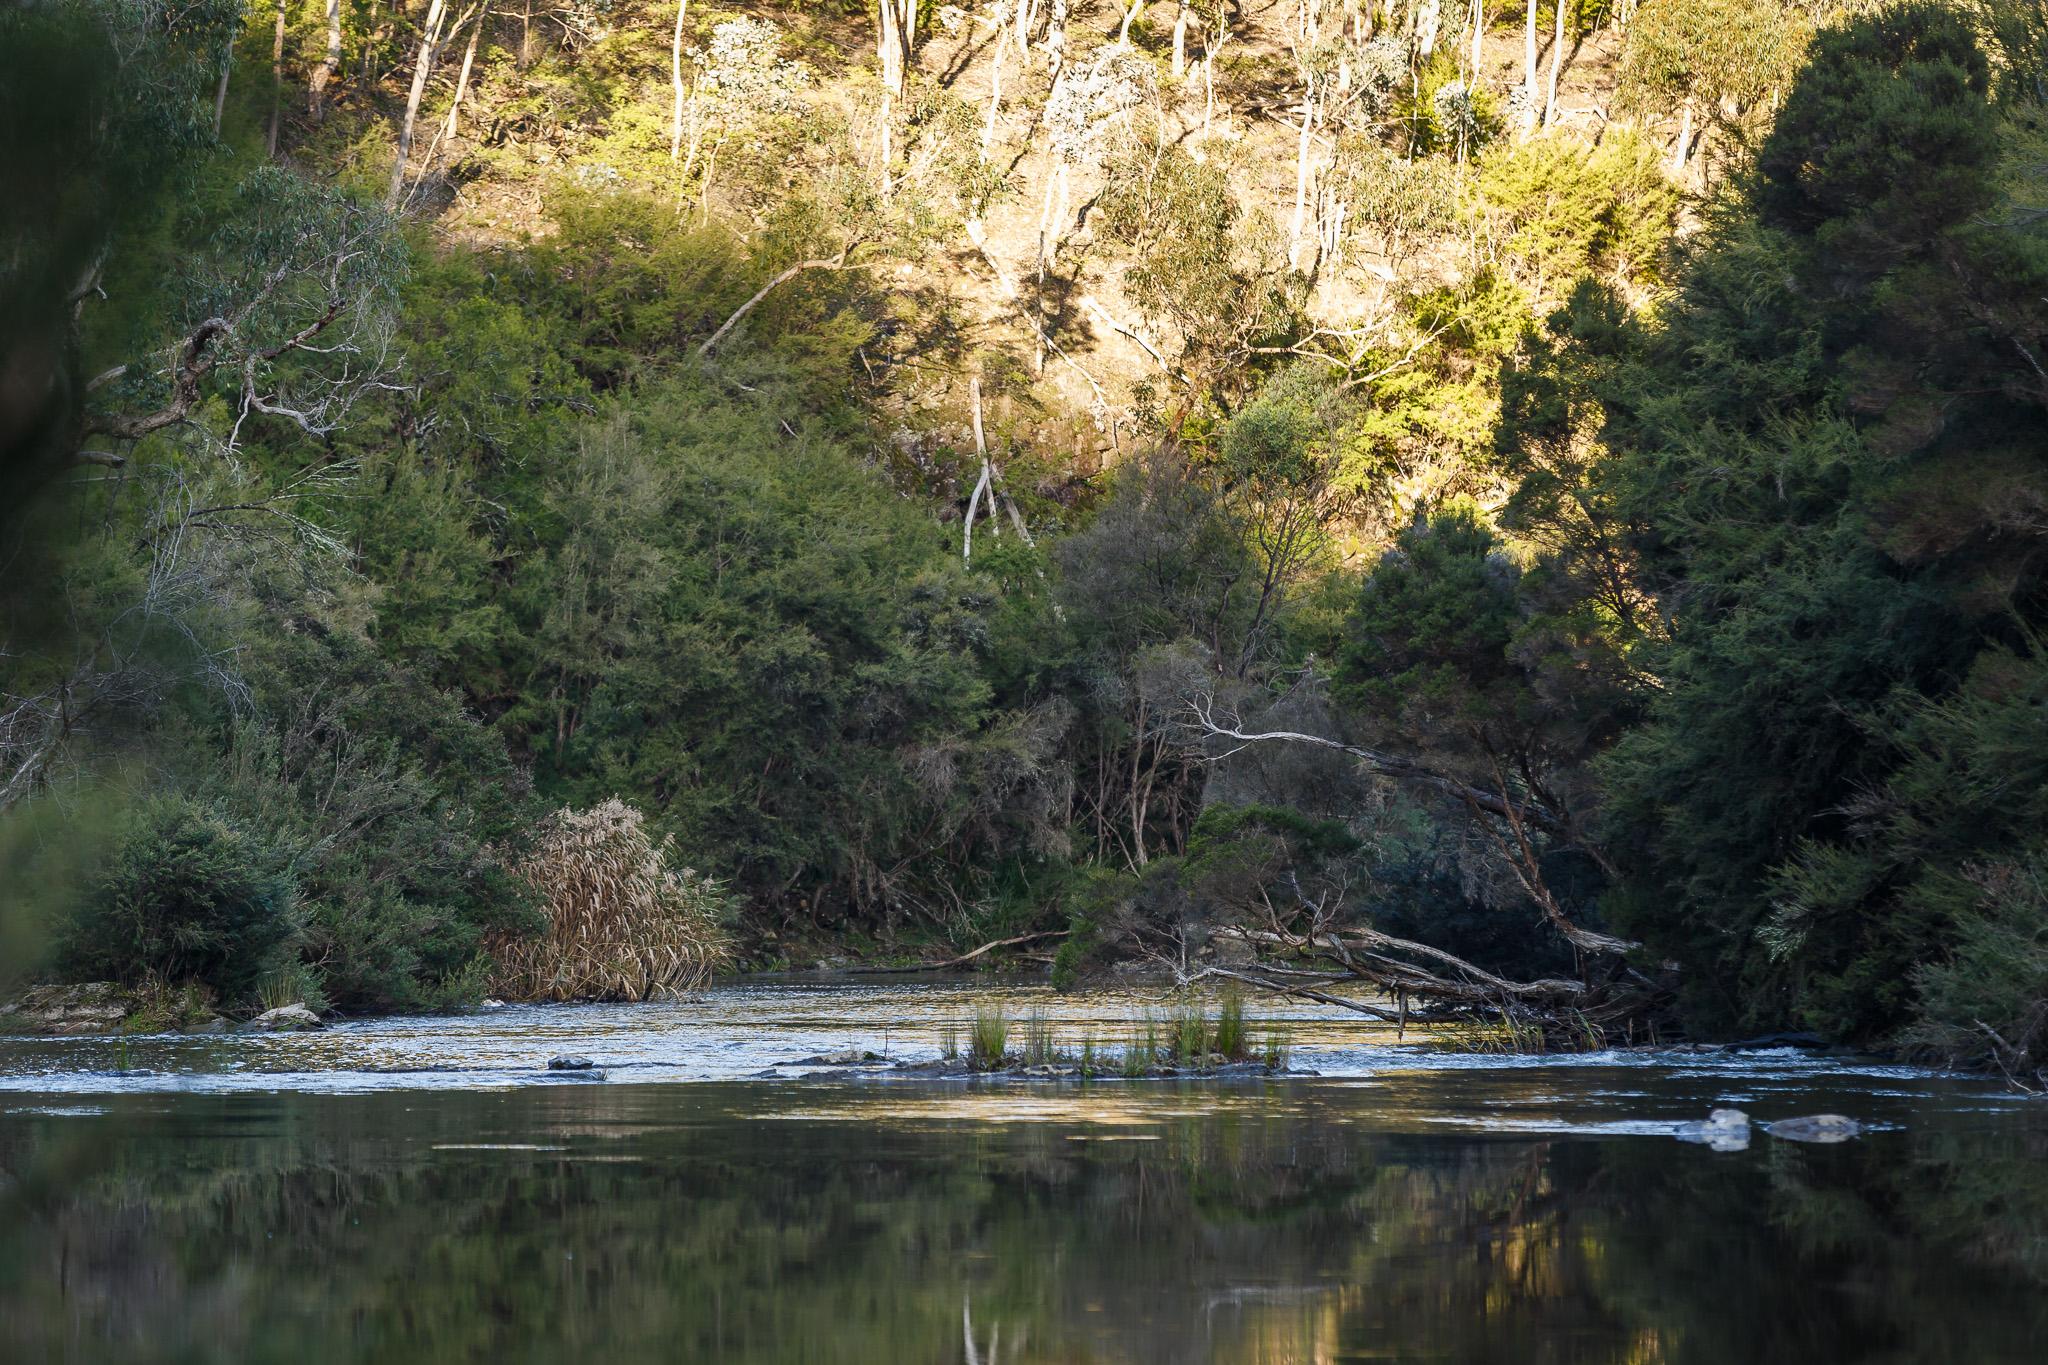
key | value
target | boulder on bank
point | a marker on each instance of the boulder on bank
(284, 1019)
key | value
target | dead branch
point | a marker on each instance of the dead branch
(964, 958)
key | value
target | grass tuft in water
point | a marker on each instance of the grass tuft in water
(1039, 1047)
(949, 1041)
(1230, 1038)
(1275, 1048)
(1500, 1035)
(988, 1039)
(1188, 1034)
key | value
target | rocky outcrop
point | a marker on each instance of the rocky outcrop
(91, 1007)
(284, 1019)
(101, 1007)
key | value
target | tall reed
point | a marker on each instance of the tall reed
(988, 1039)
(1230, 1038)
(621, 923)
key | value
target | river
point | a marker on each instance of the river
(415, 1190)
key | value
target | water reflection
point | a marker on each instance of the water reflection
(1263, 1223)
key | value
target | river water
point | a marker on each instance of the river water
(423, 1190)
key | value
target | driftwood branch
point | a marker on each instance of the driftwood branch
(964, 958)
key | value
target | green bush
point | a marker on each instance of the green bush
(190, 898)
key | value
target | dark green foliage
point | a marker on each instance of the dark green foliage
(190, 897)
(1428, 642)
(1819, 456)
(1882, 141)
(752, 630)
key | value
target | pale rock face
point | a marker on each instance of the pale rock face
(284, 1019)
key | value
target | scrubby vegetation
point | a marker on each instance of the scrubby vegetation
(1548, 531)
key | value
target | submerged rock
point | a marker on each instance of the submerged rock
(284, 1019)
(569, 1061)
(1726, 1130)
(1815, 1128)
(846, 1056)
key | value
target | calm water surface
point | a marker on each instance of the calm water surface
(419, 1191)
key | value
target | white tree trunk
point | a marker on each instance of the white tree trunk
(1478, 31)
(1529, 106)
(430, 42)
(1304, 148)
(896, 42)
(1556, 65)
(675, 80)
(330, 63)
(1180, 40)
(462, 79)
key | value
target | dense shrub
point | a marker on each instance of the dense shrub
(190, 898)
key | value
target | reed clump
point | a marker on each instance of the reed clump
(1039, 1048)
(621, 922)
(1492, 1035)
(988, 1039)
(1228, 1036)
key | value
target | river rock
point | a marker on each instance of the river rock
(91, 1007)
(284, 1019)
(569, 1061)
(1815, 1128)
(846, 1056)
(1726, 1130)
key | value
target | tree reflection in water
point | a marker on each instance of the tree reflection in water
(704, 1223)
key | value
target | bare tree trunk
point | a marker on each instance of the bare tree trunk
(980, 484)
(220, 93)
(1529, 109)
(1180, 40)
(330, 63)
(1132, 8)
(1478, 31)
(896, 42)
(1684, 139)
(276, 82)
(1303, 149)
(740, 313)
(675, 79)
(462, 80)
(1556, 65)
(430, 41)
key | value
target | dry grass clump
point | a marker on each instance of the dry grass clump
(621, 923)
